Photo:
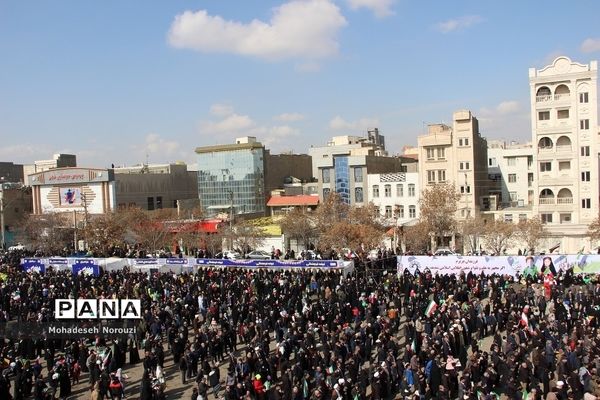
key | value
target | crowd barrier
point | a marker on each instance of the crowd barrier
(92, 266)
(501, 265)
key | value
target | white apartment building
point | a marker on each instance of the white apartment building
(511, 170)
(396, 196)
(564, 119)
(343, 164)
(456, 155)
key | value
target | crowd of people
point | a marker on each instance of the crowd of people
(306, 334)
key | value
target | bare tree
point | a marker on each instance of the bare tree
(50, 233)
(416, 238)
(105, 232)
(438, 207)
(299, 225)
(247, 236)
(531, 231)
(149, 227)
(499, 235)
(470, 230)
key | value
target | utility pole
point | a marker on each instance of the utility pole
(2, 219)
(231, 219)
(74, 231)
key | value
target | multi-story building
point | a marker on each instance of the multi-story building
(155, 186)
(11, 172)
(236, 178)
(564, 119)
(396, 196)
(57, 161)
(456, 155)
(512, 174)
(343, 165)
(15, 205)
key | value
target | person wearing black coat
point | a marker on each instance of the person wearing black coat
(183, 367)
(146, 388)
(39, 387)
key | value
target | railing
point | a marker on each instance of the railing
(547, 200)
(564, 148)
(564, 200)
(549, 97)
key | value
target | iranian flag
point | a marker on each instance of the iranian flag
(431, 308)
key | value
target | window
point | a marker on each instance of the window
(585, 151)
(400, 211)
(387, 190)
(463, 142)
(565, 218)
(530, 179)
(150, 203)
(411, 190)
(507, 217)
(512, 178)
(585, 176)
(325, 175)
(464, 166)
(358, 195)
(583, 97)
(159, 205)
(430, 176)
(586, 203)
(358, 174)
(326, 192)
(492, 162)
(412, 212)
(375, 190)
(511, 161)
(399, 190)
(564, 165)
(562, 114)
(522, 217)
(441, 175)
(545, 166)
(513, 196)
(584, 124)
(388, 211)
(377, 210)
(529, 161)
(441, 153)
(545, 143)
(546, 218)
(544, 115)
(465, 189)
(430, 153)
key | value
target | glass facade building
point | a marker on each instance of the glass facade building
(232, 174)
(342, 177)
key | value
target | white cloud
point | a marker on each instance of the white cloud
(304, 29)
(381, 8)
(338, 123)
(154, 144)
(590, 45)
(289, 117)
(278, 134)
(507, 107)
(221, 110)
(456, 24)
(233, 123)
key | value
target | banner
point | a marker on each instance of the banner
(86, 267)
(501, 265)
(207, 262)
(33, 265)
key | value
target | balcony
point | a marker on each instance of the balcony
(543, 98)
(547, 200)
(563, 200)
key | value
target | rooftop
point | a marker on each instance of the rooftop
(287, 201)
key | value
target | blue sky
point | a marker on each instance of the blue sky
(115, 81)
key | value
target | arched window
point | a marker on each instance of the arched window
(545, 143)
